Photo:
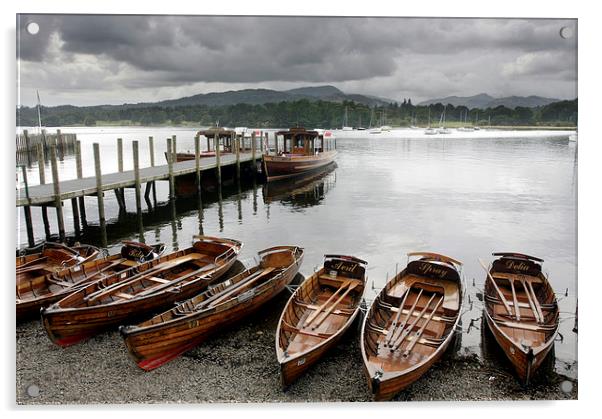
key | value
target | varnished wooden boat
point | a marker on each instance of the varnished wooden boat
(300, 154)
(411, 323)
(48, 286)
(318, 314)
(521, 310)
(169, 334)
(52, 257)
(141, 292)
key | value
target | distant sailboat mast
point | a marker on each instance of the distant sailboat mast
(39, 114)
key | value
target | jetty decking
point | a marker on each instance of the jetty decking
(43, 194)
(53, 194)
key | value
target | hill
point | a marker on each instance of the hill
(483, 101)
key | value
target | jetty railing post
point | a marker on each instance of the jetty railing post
(27, 210)
(137, 178)
(173, 148)
(253, 146)
(216, 141)
(42, 170)
(120, 155)
(151, 148)
(197, 161)
(78, 167)
(57, 192)
(99, 195)
(169, 154)
(237, 145)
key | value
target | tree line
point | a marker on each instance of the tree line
(310, 114)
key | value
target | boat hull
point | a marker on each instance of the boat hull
(292, 369)
(386, 388)
(281, 167)
(152, 347)
(67, 326)
(525, 363)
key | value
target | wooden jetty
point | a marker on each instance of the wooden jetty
(54, 193)
(28, 142)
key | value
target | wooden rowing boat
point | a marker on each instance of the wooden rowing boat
(521, 310)
(52, 257)
(141, 292)
(47, 287)
(303, 151)
(169, 334)
(411, 323)
(318, 314)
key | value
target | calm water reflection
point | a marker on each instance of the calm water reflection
(386, 197)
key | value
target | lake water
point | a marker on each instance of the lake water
(390, 194)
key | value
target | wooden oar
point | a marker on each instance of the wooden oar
(88, 278)
(408, 330)
(421, 331)
(531, 303)
(332, 307)
(31, 263)
(502, 298)
(218, 298)
(396, 319)
(405, 321)
(515, 300)
(315, 314)
(158, 268)
(536, 301)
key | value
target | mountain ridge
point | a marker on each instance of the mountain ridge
(484, 100)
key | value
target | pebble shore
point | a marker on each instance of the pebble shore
(239, 365)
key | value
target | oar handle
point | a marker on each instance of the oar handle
(502, 298)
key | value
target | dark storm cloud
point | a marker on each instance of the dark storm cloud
(158, 51)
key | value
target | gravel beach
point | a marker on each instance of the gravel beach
(239, 365)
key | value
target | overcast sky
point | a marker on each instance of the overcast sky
(91, 59)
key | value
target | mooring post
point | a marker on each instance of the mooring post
(151, 150)
(120, 155)
(137, 178)
(172, 192)
(173, 148)
(218, 152)
(57, 192)
(78, 167)
(208, 143)
(42, 170)
(99, 195)
(237, 145)
(253, 146)
(197, 161)
(27, 211)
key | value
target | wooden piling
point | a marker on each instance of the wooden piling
(137, 178)
(42, 171)
(253, 146)
(75, 216)
(27, 211)
(99, 195)
(237, 145)
(78, 168)
(57, 192)
(216, 141)
(151, 150)
(172, 186)
(120, 155)
(173, 148)
(197, 161)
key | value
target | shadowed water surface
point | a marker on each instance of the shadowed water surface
(387, 196)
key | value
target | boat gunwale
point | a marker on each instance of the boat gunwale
(338, 333)
(132, 330)
(391, 375)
